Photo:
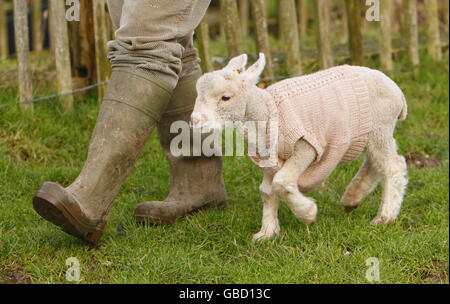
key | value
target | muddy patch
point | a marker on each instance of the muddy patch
(421, 160)
(15, 276)
(437, 272)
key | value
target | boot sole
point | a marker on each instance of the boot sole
(55, 212)
(153, 220)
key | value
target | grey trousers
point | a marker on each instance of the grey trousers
(156, 36)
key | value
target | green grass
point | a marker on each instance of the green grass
(215, 246)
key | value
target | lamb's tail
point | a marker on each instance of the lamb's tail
(404, 111)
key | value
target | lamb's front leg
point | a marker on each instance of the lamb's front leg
(270, 226)
(285, 183)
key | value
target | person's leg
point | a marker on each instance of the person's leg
(115, 11)
(127, 116)
(195, 182)
(145, 71)
(151, 33)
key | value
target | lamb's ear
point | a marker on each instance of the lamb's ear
(237, 64)
(256, 69)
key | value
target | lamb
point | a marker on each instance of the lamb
(323, 119)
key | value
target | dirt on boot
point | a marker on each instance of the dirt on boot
(195, 182)
(132, 105)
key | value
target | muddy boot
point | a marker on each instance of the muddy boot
(195, 182)
(131, 108)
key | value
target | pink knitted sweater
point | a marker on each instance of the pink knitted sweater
(330, 110)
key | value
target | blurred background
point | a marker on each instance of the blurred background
(299, 35)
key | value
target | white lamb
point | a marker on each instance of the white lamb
(324, 119)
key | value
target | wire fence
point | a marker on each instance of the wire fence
(90, 87)
(369, 46)
(93, 86)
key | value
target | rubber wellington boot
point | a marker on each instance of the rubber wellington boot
(195, 182)
(131, 108)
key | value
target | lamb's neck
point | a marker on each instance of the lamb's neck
(257, 109)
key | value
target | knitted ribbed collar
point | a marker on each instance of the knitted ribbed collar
(272, 139)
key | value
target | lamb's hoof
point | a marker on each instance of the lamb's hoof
(382, 220)
(349, 209)
(264, 235)
(308, 221)
(311, 222)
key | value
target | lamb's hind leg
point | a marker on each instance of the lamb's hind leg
(270, 226)
(362, 185)
(392, 167)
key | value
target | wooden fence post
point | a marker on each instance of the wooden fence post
(411, 31)
(289, 35)
(343, 25)
(37, 25)
(101, 52)
(262, 35)
(322, 20)
(302, 13)
(232, 27)
(74, 46)
(397, 16)
(446, 13)
(202, 35)
(62, 52)
(51, 32)
(4, 45)
(23, 53)
(432, 26)
(354, 30)
(86, 64)
(82, 45)
(385, 40)
(243, 16)
(109, 26)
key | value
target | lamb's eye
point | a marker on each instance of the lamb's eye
(225, 98)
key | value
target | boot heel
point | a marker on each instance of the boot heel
(94, 237)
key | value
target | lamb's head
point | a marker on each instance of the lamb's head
(223, 95)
